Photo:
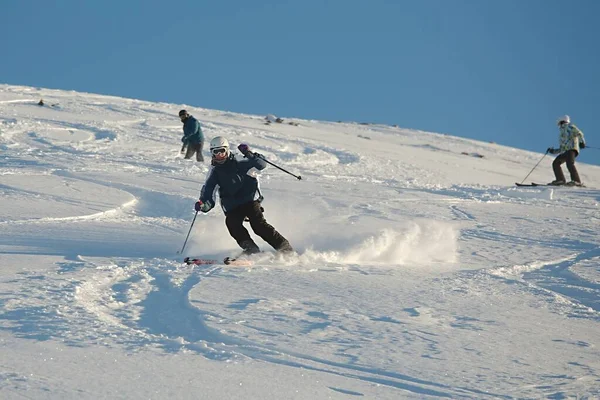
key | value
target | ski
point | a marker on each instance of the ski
(530, 184)
(227, 261)
(199, 261)
(547, 184)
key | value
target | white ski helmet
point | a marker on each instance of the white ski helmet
(564, 118)
(219, 149)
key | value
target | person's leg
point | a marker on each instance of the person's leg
(267, 232)
(234, 220)
(190, 151)
(556, 166)
(199, 156)
(571, 155)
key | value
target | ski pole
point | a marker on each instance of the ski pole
(287, 172)
(188, 235)
(278, 167)
(535, 166)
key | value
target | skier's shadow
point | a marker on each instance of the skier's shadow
(167, 312)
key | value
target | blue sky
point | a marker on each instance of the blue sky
(500, 71)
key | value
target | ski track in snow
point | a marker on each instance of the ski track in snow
(134, 302)
(147, 305)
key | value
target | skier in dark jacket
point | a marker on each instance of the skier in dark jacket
(240, 196)
(571, 141)
(193, 138)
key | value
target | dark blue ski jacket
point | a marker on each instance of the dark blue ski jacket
(192, 132)
(235, 181)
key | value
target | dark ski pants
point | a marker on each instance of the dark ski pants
(194, 148)
(569, 158)
(234, 220)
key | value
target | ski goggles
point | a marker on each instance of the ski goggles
(219, 151)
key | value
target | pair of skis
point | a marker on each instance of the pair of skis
(227, 261)
(547, 184)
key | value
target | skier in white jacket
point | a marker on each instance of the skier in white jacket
(571, 141)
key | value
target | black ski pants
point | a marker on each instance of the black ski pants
(234, 220)
(569, 158)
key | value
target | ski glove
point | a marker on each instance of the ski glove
(204, 207)
(582, 145)
(551, 150)
(245, 150)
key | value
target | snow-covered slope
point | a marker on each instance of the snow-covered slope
(423, 272)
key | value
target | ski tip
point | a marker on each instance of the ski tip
(237, 262)
(199, 261)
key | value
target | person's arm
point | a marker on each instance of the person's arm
(253, 160)
(199, 130)
(190, 127)
(184, 138)
(258, 162)
(578, 133)
(207, 193)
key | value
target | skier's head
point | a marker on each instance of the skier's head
(183, 115)
(565, 119)
(219, 149)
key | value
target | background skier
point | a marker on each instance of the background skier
(240, 196)
(571, 140)
(193, 138)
